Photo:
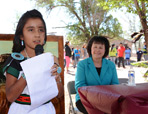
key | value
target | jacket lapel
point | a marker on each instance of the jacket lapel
(103, 69)
(93, 70)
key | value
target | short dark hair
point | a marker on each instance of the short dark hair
(100, 40)
(17, 47)
(113, 44)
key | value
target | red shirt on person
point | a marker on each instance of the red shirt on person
(121, 51)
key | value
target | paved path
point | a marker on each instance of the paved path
(122, 73)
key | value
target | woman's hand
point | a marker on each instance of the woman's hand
(54, 69)
(59, 81)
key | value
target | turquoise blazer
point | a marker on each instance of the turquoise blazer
(87, 75)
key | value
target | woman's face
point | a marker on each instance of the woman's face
(97, 50)
(33, 33)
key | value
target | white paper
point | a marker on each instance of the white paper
(42, 86)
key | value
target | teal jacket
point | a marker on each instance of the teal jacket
(87, 75)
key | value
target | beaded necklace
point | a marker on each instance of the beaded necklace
(26, 54)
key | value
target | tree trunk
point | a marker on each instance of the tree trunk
(142, 16)
(135, 47)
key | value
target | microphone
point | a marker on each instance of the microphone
(39, 49)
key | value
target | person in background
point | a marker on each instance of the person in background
(116, 60)
(73, 56)
(30, 31)
(145, 53)
(127, 55)
(67, 55)
(84, 51)
(112, 53)
(64, 59)
(80, 53)
(96, 69)
(76, 56)
(139, 54)
(121, 55)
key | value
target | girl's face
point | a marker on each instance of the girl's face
(33, 33)
(97, 50)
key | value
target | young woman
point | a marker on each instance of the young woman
(95, 70)
(30, 31)
(67, 55)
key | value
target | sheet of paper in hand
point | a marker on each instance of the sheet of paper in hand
(42, 86)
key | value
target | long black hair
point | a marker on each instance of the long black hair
(17, 47)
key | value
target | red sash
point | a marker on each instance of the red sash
(23, 99)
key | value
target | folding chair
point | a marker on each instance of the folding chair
(72, 91)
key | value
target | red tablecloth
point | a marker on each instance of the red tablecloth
(115, 99)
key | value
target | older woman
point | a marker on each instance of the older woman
(95, 70)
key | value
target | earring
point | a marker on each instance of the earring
(22, 42)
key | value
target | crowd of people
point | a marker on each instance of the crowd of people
(117, 54)
(122, 54)
(97, 66)
(74, 54)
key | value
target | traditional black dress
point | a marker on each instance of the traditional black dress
(22, 103)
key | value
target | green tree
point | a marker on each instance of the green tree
(138, 7)
(88, 19)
